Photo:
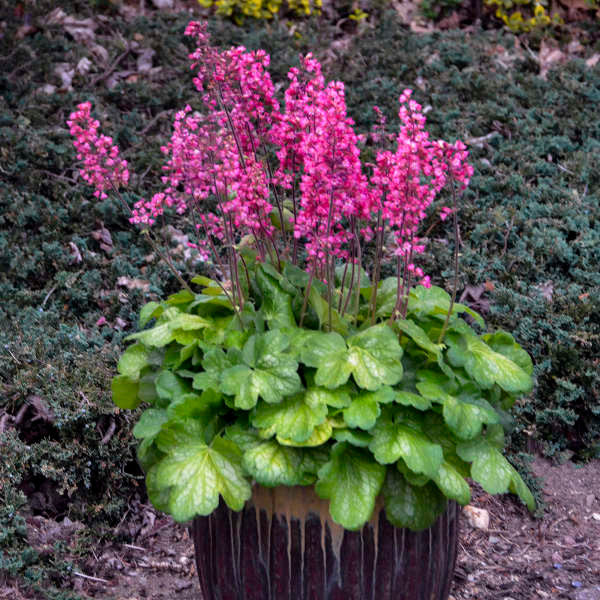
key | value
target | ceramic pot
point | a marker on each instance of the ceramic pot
(284, 546)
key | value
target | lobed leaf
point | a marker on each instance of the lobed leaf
(351, 481)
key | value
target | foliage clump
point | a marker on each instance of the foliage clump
(238, 10)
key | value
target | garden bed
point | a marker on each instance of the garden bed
(73, 273)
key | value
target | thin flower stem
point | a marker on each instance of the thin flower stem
(163, 255)
(330, 276)
(351, 286)
(456, 242)
(377, 268)
(306, 294)
(342, 287)
(359, 262)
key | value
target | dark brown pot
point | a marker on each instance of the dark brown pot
(284, 546)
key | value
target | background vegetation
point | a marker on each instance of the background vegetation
(73, 273)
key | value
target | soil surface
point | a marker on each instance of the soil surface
(516, 558)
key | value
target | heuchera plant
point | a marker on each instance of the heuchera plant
(291, 365)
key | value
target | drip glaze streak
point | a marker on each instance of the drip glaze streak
(286, 547)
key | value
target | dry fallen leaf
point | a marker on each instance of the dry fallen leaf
(549, 57)
(592, 61)
(75, 254)
(103, 236)
(82, 30)
(144, 60)
(66, 73)
(133, 284)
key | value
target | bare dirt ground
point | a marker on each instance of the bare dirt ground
(516, 558)
(520, 558)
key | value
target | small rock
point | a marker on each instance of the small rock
(588, 594)
(493, 539)
(596, 516)
(182, 584)
(479, 518)
(589, 501)
(163, 3)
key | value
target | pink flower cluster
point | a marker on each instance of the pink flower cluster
(408, 180)
(102, 167)
(223, 155)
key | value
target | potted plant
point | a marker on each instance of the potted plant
(315, 419)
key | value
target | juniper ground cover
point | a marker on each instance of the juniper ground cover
(73, 272)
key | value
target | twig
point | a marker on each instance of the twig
(98, 579)
(21, 414)
(57, 176)
(5, 418)
(564, 169)
(479, 141)
(111, 69)
(155, 531)
(153, 564)
(109, 432)
(506, 236)
(153, 121)
(13, 356)
(135, 547)
(48, 296)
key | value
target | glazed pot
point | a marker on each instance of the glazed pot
(284, 546)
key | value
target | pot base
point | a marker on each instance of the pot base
(284, 546)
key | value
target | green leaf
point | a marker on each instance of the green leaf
(410, 399)
(392, 441)
(263, 349)
(338, 398)
(157, 494)
(484, 365)
(169, 386)
(125, 391)
(328, 353)
(318, 346)
(504, 343)
(268, 372)
(466, 419)
(149, 311)
(519, 487)
(488, 466)
(133, 360)
(271, 384)
(374, 356)
(357, 438)
(416, 479)
(351, 481)
(197, 474)
(148, 454)
(363, 412)
(180, 433)
(215, 361)
(150, 423)
(319, 436)
(321, 307)
(452, 484)
(164, 333)
(204, 281)
(387, 297)
(435, 301)
(277, 304)
(194, 405)
(408, 506)
(419, 336)
(293, 419)
(271, 464)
